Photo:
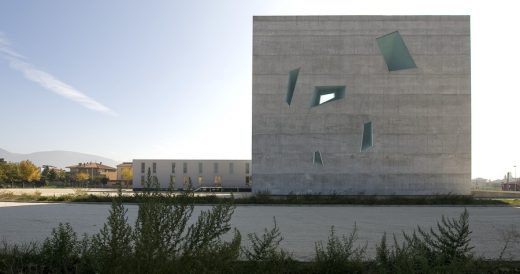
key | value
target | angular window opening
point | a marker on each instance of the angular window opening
(395, 52)
(173, 168)
(326, 97)
(248, 180)
(200, 179)
(184, 168)
(200, 168)
(231, 168)
(325, 94)
(293, 77)
(316, 159)
(247, 168)
(366, 143)
(142, 168)
(154, 167)
(215, 168)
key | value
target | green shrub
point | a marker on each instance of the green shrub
(445, 250)
(340, 254)
(23, 258)
(265, 255)
(61, 251)
(111, 249)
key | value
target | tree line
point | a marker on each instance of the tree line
(16, 173)
(23, 173)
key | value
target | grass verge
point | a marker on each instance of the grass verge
(264, 199)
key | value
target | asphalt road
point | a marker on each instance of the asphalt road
(301, 226)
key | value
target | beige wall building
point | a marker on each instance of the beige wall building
(94, 169)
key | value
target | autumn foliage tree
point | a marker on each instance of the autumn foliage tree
(28, 171)
(82, 177)
(126, 175)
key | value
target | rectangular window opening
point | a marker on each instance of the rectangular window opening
(184, 168)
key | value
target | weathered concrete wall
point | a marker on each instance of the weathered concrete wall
(421, 117)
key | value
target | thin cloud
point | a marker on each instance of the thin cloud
(47, 80)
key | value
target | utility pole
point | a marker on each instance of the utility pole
(515, 178)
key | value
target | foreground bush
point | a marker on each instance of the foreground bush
(167, 239)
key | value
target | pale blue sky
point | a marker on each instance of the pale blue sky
(172, 79)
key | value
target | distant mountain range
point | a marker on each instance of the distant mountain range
(56, 158)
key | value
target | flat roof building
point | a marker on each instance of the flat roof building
(361, 105)
(179, 174)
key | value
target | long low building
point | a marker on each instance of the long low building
(180, 174)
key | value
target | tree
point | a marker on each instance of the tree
(3, 176)
(126, 175)
(28, 171)
(82, 177)
(52, 176)
(62, 176)
(12, 173)
(45, 173)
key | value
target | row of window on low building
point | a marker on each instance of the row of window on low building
(185, 168)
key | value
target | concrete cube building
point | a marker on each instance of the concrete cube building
(361, 105)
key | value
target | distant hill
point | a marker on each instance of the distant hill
(56, 158)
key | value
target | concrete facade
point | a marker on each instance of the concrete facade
(421, 117)
(201, 173)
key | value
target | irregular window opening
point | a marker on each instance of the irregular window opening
(395, 52)
(366, 142)
(316, 159)
(293, 77)
(326, 94)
